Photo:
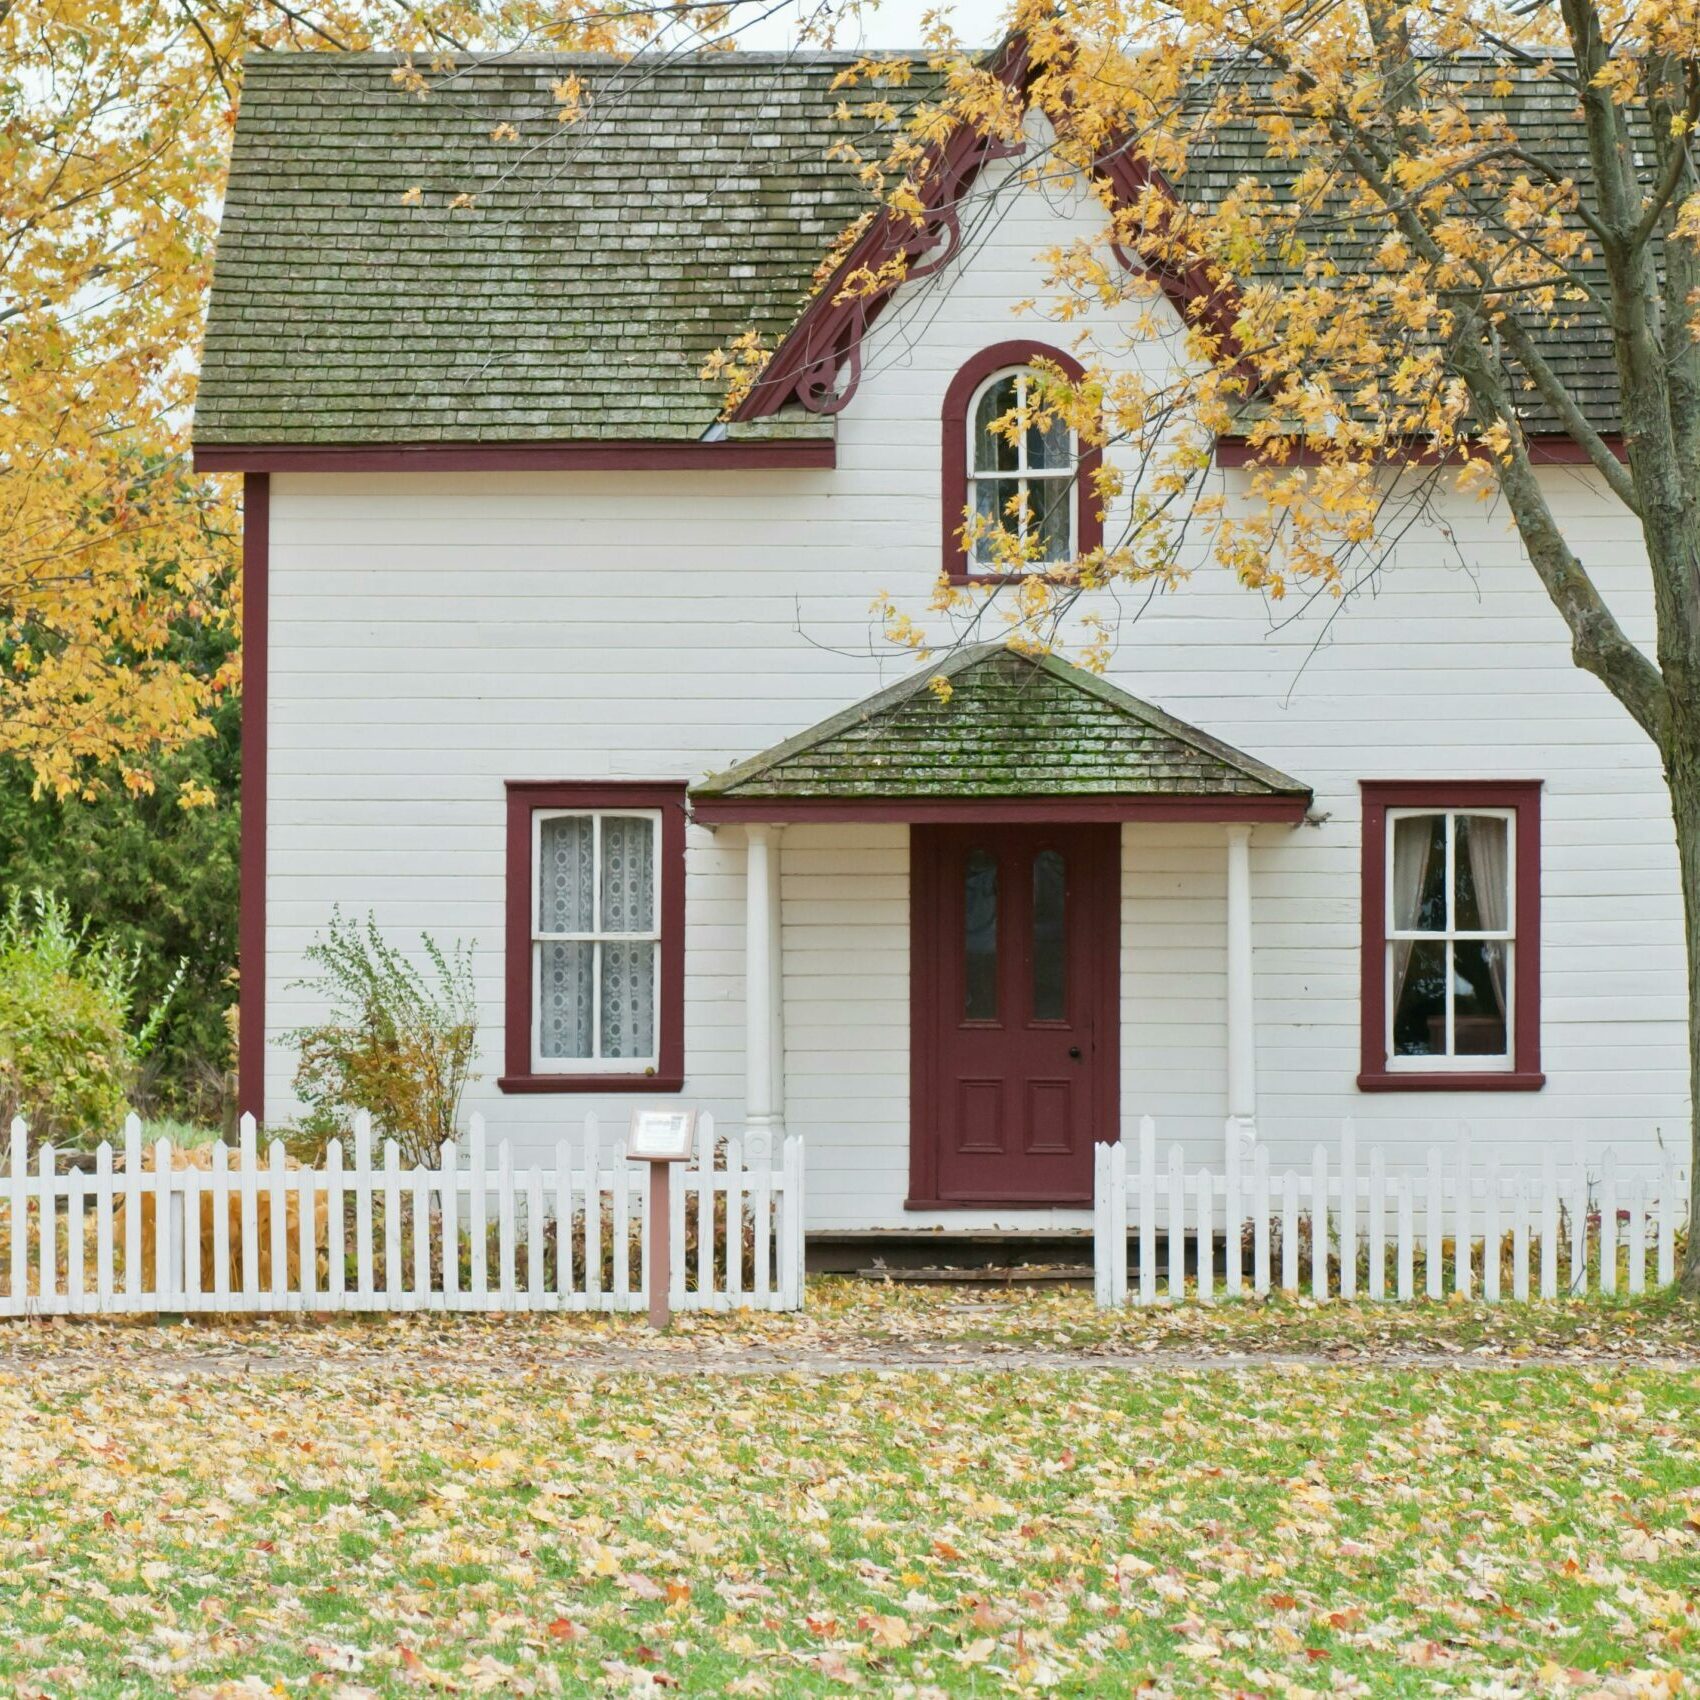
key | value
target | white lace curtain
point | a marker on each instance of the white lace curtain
(597, 878)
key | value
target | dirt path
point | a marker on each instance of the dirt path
(240, 1362)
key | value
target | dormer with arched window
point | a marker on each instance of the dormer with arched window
(1035, 482)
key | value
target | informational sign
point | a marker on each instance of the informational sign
(661, 1136)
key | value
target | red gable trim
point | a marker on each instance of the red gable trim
(612, 456)
(251, 852)
(717, 811)
(827, 337)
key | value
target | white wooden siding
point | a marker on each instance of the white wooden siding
(432, 637)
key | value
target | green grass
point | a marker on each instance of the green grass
(507, 1526)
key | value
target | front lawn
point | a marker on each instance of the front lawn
(406, 1525)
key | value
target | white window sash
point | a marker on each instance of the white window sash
(596, 1063)
(1498, 1062)
(1021, 473)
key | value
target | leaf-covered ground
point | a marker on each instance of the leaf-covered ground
(399, 1506)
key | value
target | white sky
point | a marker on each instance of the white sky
(882, 23)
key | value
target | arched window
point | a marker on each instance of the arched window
(1023, 481)
(1034, 482)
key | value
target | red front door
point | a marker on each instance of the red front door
(1015, 939)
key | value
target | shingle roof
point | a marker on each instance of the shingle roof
(600, 264)
(1012, 726)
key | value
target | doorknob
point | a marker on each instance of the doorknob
(1074, 1051)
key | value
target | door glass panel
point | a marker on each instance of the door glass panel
(980, 944)
(1050, 884)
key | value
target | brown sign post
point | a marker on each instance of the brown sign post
(661, 1138)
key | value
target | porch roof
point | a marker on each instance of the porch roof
(1016, 735)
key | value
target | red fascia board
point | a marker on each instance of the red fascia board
(634, 456)
(717, 811)
(1546, 450)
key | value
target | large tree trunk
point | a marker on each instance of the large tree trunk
(1682, 772)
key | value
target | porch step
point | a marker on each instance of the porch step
(1022, 1275)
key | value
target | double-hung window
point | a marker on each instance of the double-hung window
(595, 936)
(1451, 941)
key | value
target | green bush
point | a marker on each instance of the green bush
(158, 878)
(68, 1053)
(393, 1044)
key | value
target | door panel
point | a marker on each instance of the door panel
(1015, 939)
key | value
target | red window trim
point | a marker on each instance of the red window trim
(1088, 525)
(1524, 797)
(526, 795)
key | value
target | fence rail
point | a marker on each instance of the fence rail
(156, 1228)
(1340, 1230)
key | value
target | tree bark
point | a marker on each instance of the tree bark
(1682, 773)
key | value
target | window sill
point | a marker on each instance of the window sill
(1461, 1081)
(1061, 1202)
(590, 1083)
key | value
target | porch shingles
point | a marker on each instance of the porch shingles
(1010, 725)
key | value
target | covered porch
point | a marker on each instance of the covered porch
(1017, 785)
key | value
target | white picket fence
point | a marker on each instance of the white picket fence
(1342, 1230)
(253, 1232)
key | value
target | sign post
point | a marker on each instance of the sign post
(661, 1138)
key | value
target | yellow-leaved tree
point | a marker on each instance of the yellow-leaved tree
(115, 123)
(1452, 194)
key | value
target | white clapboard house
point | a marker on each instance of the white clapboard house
(547, 656)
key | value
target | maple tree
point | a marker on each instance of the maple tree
(1380, 311)
(115, 124)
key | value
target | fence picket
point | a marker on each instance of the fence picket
(1348, 1209)
(74, 1208)
(564, 1285)
(1668, 1189)
(1319, 1223)
(336, 1264)
(448, 1221)
(248, 1180)
(534, 1289)
(676, 1239)
(132, 1213)
(46, 1230)
(1490, 1233)
(1377, 1224)
(476, 1213)
(1260, 1220)
(734, 1223)
(505, 1230)
(1549, 1226)
(221, 1236)
(1579, 1220)
(1521, 1203)
(363, 1209)
(1637, 1236)
(103, 1225)
(220, 1195)
(1290, 1234)
(1233, 1217)
(1177, 1225)
(1608, 1226)
(1434, 1220)
(592, 1212)
(1147, 1210)
(1206, 1240)
(277, 1219)
(1463, 1232)
(18, 1217)
(1407, 1241)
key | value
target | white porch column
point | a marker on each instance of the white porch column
(762, 1114)
(1242, 1037)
